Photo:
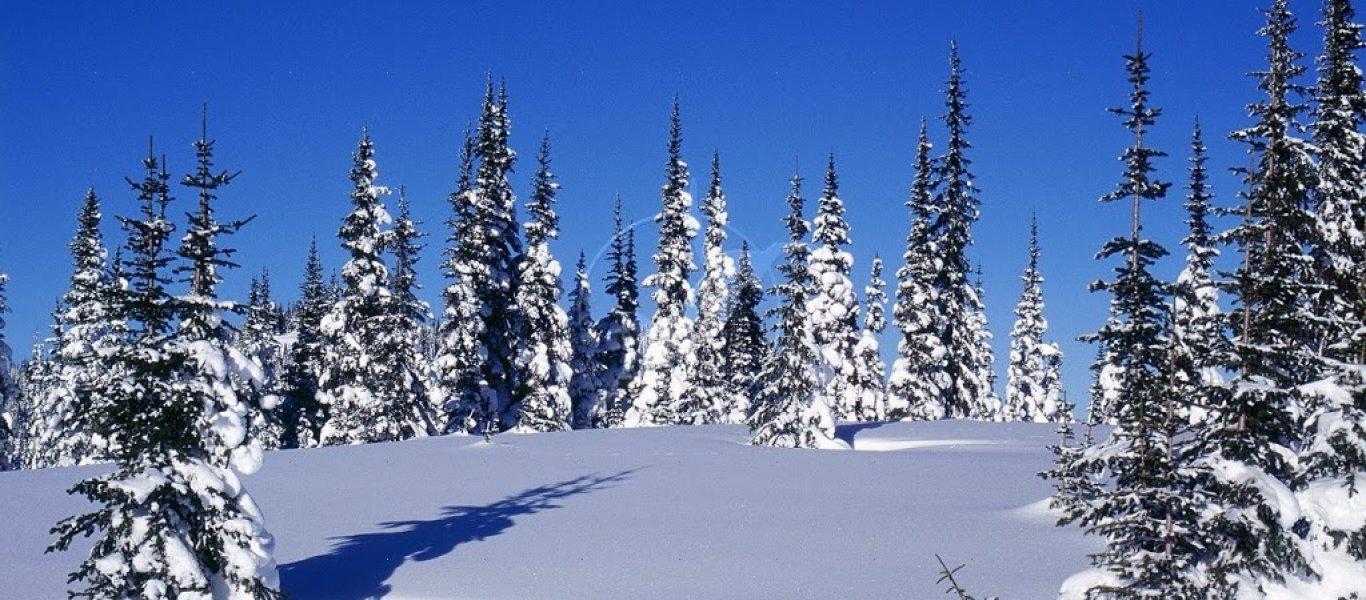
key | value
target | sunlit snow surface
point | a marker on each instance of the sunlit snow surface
(671, 512)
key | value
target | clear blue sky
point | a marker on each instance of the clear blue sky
(289, 85)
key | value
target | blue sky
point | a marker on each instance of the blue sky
(768, 84)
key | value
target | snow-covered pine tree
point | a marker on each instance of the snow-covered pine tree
(1249, 443)
(301, 413)
(789, 410)
(1143, 509)
(831, 305)
(1335, 456)
(9, 392)
(544, 353)
(85, 331)
(228, 383)
(173, 521)
(360, 383)
(479, 347)
(619, 331)
(585, 387)
(668, 356)
(705, 397)
(954, 209)
(1028, 380)
(463, 403)
(746, 348)
(985, 356)
(919, 383)
(870, 372)
(1198, 342)
(259, 341)
(409, 315)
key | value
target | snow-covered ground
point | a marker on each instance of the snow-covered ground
(673, 512)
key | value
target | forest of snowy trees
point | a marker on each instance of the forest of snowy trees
(1222, 442)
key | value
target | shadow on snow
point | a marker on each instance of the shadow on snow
(359, 565)
(848, 431)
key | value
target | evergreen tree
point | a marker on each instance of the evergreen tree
(259, 341)
(543, 359)
(409, 315)
(9, 391)
(832, 307)
(479, 352)
(869, 382)
(85, 332)
(705, 398)
(1028, 393)
(746, 348)
(361, 383)
(175, 521)
(955, 209)
(668, 354)
(1337, 418)
(585, 387)
(985, 357)
(1250, 440)
(919, 383)
(301, 413)
(789, 410)
(1145, 508)
(619, 331)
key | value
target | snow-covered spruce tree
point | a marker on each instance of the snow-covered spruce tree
(1198, 344)
(9, 391)
(409, 315)
(173, 522)
(259, 341)
(1335, 457)
(746, 347)
(479, 348)
(86, 331)
(667, 357)
(230, 385)
(585, 386)
(705, 397)
(361, 383)
(986, 357)
(1028, 380)
(869, 382)
(300, 412)
(832, 308)
(1143, 508)
(619, 331)
(789, 410)
(544, 353)
(463, 403)
(919, 382)
(955, 209)
(1249, 443)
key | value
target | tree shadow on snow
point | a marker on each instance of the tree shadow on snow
(848, 431)
(359, 565)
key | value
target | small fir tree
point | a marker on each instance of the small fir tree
(585, 386)
(746, 347)
(619, 331)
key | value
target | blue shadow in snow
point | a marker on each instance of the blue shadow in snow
(848, 431)
(359, 565)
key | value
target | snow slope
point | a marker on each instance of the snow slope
(671, 512)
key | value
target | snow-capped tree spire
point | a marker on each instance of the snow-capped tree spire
(919, 382)
(789, 410)
(667, 356)
(955, 209)
(544, 353)
(1028, 397)
(585, 386)
(832, 306)
(869, 385)
(619, 331)
(746, 348)
(704, 400)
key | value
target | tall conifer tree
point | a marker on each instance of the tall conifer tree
(705, 398)
(619, 331)
(831, 304)
(746, 348)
